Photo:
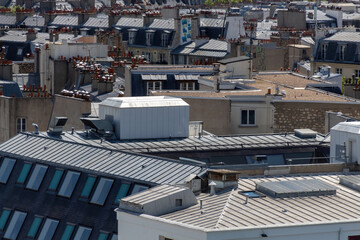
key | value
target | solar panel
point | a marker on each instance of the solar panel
(296, 188)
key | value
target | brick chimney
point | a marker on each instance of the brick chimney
(149, 17)
(22, 14)
(30, 35)
(113, 18)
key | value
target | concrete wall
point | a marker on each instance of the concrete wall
(290, 115)
(264, 114)
(240, 68)
(40, 111)
(214, 112)
(295, 19)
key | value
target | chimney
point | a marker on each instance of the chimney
(195, 23)
(31, 35)
(113, 18)
(223, 178)
(212, 188)
(150, 17)
(37, 59)
(36, 128)
(49, 17)
(22, 14)
(53, 36)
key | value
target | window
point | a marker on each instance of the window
(103, 236)
(4, 217)
(164, 39)
(138, 188)
(88, 187)
(124, 188)
(24, 173)
(102, 190)
(19, 51)
(6, 169)
(20, 125)
(149, 38)
(69, 184)
(187, 86)
(247, 117)
(114, 237)
(83, 233)
(48, 230)
(341, 52)
(339, 70)
(15, 225)
(178, 202)
(323, 51)
(34, 227)
(56, 179)
(131, 37)
(148, 57)
(68, 232)
(357, 73)
(36, 177)
(162, 58)
(153, 86)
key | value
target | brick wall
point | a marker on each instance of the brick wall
(292, 115)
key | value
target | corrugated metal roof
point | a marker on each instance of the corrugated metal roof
(229, 211)
(208, 53)
(186, 77)
(212, 22)
(193, 144)
(7, 20)
(97, 22)
(34, 21)
(214, 44)
(65, 21)
(97, 159)
(162, 24)
(130, 22)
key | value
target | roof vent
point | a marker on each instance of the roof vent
(352, 182)
(305, 133)
(100, 127)
(296, 188)
(56, 125)
(36, 128)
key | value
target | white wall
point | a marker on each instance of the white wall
(264, 114)
(233, 69)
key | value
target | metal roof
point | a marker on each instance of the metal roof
(97, 159)
(321, 17)
(208, 53)
(227, 210)
(162, 24)
(97, 22)
(7, 20)
(34, 21)
(344, 37)
(10, 89)
(67, 20)
(214, 44)
(212, 48)
(205, 143)
(153, 77)
(143, 102)
(130, 22)
(186, 77)
(296, 188)
(212, 22)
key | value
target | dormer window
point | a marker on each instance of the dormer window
(165, 38)
(341, 52)
(323, 51)
(132, 33)
(149, 37)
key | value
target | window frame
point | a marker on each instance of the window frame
(42, 178)
(80, 235)
(97, 189)
(58, 181)
(22, 172)
(6, 171)
(92, 187)
(247, 123)
(38, 227)
(9, 213)
(43, 225)
(116, 201)
(21, 124)
(338, 71)
(72, 231)
(63, 182)
(15, 222)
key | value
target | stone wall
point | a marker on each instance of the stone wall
(292, 115)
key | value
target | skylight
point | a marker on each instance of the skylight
(36, 177)
(6, 168)
(102, 190)
(69, 184)
(15, 225)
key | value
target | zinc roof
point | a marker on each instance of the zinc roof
(130, 22)
(7, 20)
(97, 159)
(162, 24)
(34, 21)
(344, 37)
(268, 211)
(68, 20)
(97, 22)
(212, 22)
(205, 143)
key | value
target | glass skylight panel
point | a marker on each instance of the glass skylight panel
(88, 187)
(124, 188)
(83, 233)
(103, 236)
(69, 184)
(6, 168)
(24, 173)
(15, 225)
(68, 232)
(139, 188)
(48, 230)
(114, 237)
(56, 179)
(34, 227)
(36, 177)
(4, 217)
(102, 190)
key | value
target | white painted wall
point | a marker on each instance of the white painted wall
(142, 227)
(264, 114)
(240, 69)
(346, 134)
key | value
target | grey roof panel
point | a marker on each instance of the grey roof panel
(166, 24)
(97, 22)
(212, 22)
(67, 20)
(130, 22)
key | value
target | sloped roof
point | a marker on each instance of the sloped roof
(34, 21)
(7, 20)
(10, 89)
(97, 22)
(212, 22)
(67, 20)
(167, 24)
(130, 22)
(344, 37)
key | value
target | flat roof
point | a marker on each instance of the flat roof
(227, 210)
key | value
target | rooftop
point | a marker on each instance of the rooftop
(227, 209)
(344, 37)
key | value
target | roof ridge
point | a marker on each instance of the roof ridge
(224, 208)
